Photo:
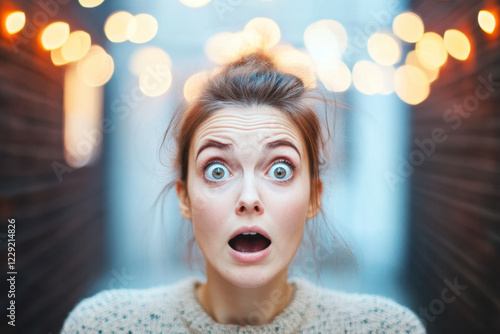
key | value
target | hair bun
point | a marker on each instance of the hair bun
(257, 61)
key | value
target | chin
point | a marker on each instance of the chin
(251, 278)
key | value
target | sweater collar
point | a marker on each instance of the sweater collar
(289, 320)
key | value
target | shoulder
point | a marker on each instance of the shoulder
(126, 309)
(356, 313)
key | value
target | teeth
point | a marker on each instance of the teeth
(249, 233)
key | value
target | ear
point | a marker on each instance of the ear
(184, 201)
(314, 208)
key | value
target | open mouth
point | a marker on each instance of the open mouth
(249, 242)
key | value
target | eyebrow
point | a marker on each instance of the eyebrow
(229, 147)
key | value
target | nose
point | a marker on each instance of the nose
(249, 201)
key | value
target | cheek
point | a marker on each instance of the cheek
(290, 207)
(209, 208)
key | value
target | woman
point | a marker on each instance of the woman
(249, 152)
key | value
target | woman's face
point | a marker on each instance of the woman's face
(248, 168)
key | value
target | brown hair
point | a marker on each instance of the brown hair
(254, 80)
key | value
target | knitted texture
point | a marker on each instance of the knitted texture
(176, 309)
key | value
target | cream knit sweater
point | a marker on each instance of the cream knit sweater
(175, 309)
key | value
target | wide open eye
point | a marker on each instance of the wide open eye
(282, 170)
(216, 172)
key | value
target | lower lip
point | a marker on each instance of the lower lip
(249, 257)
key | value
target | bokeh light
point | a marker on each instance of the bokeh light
(54, 35)
(97, 67)
(408, 26)
(431, 51)
(262, 33)
(325, 40)
(386, 80)
(76, 46)
(194, 3)
(194, 85)
(225, 47)
(142, 28)
(457, 44)
(411, 84)
(15, 22)
(412, 59)
(83, 109)
(296, 62)
(486, 21)
(366, 77)
(148, 56)
(90, 3)
(116, 26)
(384, 49)
(336, 76)
(57, 57)
(155, 80)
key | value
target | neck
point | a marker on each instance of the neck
(229, 304)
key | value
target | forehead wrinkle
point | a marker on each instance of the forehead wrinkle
(225, 136)
(275, 126)
(256, 125)
(221, 124)
(247, 130)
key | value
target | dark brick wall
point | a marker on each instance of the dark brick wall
(59, 238)
(455, 192)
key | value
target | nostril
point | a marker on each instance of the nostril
(248, 208)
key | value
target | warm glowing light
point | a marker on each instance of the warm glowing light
(142, 28)
(90, 3)
(386, 80)
(77, 46)
(325, 40)
(431, 51)
(408, 26)
(194, 3)
(148, 56)
(262, 33)
(57, 57)
(116, 26)
(83, 109)
(15, 22)
(336, 76)
(225, 47)
(457, 44)
(487, 21)
(97, 67)
(366, 77)
(384, 49)
(54, 35)
(194, 85)
(155, 80)
(412, 59)
(293, 61)
(411, 84)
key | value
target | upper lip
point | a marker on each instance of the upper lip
(254, 228)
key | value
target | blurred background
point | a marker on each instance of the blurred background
(87, 89)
